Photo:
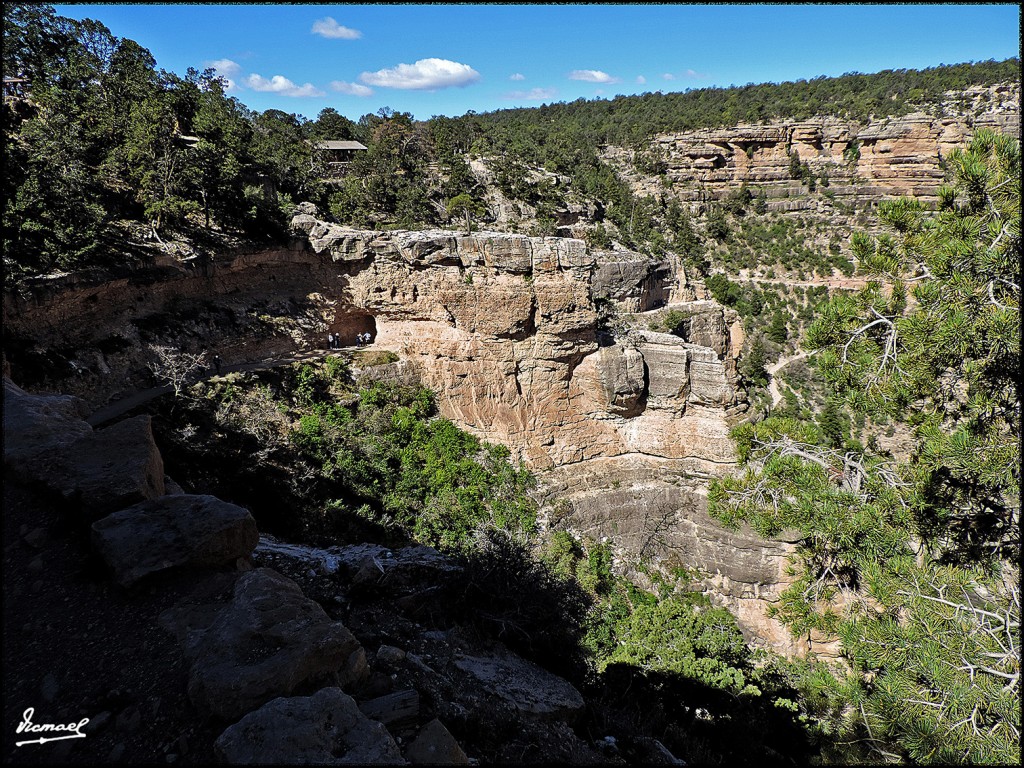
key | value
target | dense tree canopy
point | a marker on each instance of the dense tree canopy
(106, 139)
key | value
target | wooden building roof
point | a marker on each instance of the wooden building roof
(333, 144)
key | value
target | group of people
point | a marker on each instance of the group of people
(334, 340)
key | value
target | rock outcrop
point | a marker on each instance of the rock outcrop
(48, 443)
(504, 328)
(34, 424)
(899, 156)
(651, 510)
(326, 728)
(270, 640)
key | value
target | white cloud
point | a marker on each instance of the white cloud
(668, 76)
(225, 68)
(534, 94)
(352, 89)
(694, 73)
(424, 75)
(640, 79)
(592, 76)
(517, 76)
(282, 85)
(328, 27)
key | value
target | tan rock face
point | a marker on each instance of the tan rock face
(897, 156)
(503, 327)
(649, 509)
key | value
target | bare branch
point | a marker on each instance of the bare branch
(175, 367)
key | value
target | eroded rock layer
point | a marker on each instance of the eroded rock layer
(626, 429)
(889, 157)
(503, 327)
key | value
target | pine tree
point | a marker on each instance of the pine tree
(754, 365)
(913, 565)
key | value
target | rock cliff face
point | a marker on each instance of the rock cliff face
(625, 432)
(884, 158)
(504, 328)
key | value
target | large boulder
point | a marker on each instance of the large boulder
(434, 745)
(326, 728)
(104, 470)
(173, 532)
(37, 423)
(269, 640)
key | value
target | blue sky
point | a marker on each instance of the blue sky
(448, 59)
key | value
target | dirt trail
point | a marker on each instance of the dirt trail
(774, 368)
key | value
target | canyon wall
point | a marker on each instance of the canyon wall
(624, 429)
(889, 157)
(621, 428)
(504, 328)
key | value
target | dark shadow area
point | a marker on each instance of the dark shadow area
(697, 723)
(350, 323)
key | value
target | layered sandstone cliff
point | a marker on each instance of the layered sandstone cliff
(504, 328)
(889, 157)
(624, 429)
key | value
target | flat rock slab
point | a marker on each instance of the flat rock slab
(326, 728)
(527, 687)
(269, 640)
(172, 532)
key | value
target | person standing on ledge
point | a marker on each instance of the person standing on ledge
(216, 363)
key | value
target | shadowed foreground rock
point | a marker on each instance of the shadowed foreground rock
(270, 640)
(171, 532)
(47, 442)
(34, 424)
(326, 728)
(434, 745)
